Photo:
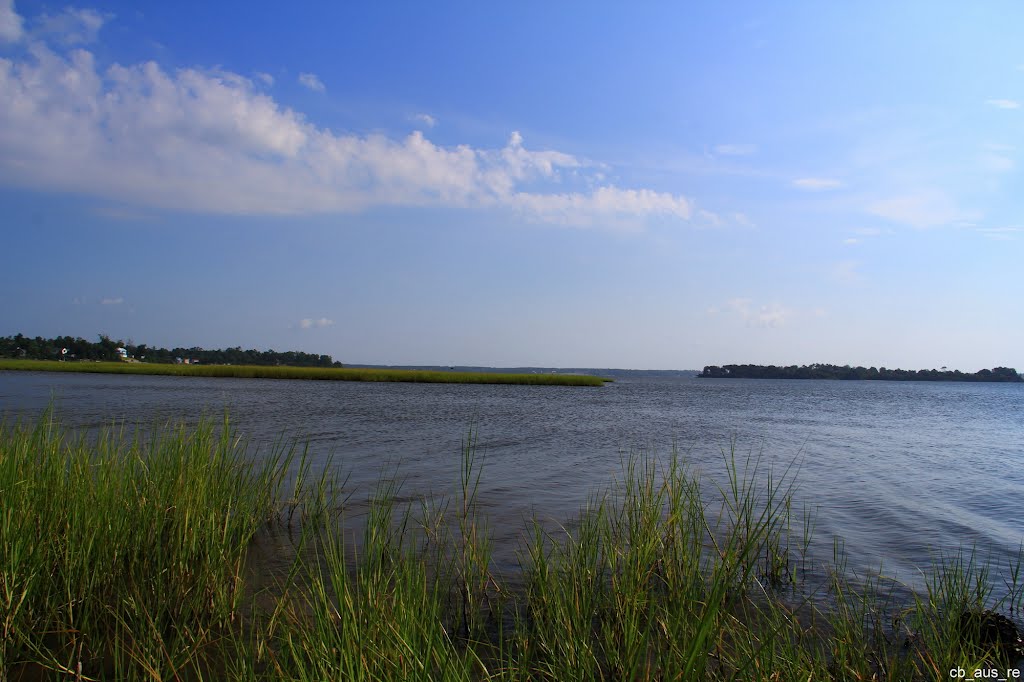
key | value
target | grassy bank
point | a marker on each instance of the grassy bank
(124, 559)
(315, 373)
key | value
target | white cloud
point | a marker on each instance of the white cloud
(845, 272)
(705, 218)
(772, 315)
(862, 234)
(742, 220)
(997, 163)
(73, 26)
(735, 149)
(765, 315)
(1008, 233)
(605, 202)
(212, 141)
(709, 218)
(309, 323)
(265, 78)
(922, 209)
(11, 29)
(1004, 103)
(815, 184)
(312, 81)
(112, 301)
(426, 119)
(1009, 228)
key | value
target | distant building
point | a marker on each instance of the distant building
(122, 353)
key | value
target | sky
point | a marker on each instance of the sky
(629, 185)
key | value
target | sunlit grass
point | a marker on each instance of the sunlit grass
(315, 373)
(123, 558)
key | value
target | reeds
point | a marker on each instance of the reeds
(121, 554)
(309, 373)
(124, 558)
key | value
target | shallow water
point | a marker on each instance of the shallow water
(902, 472)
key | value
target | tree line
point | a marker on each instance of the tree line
(105, 348)
(819, 371)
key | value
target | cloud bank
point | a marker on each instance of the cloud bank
(213, 141)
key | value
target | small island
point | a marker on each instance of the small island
(820, 371)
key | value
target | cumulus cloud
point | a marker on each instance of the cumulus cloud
(309, 323)
(1004, 103)
(816, 183)
(214, 141)
(312, 81)
(265, 78)
(11, 28)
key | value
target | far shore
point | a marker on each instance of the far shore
(310, 373)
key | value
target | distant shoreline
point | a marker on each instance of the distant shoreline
(308, 373)
(847, 373)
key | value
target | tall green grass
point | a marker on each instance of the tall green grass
(313, 373)
(124, 558)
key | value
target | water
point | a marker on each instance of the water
(902, 472)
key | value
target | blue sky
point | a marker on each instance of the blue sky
(559, 184)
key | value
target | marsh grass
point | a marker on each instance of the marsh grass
(123, 559)
(310, 373)
(121, 554)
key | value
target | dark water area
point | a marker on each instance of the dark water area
(902, 472)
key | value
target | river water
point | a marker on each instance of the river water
(901, 472)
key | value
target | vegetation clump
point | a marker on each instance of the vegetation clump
(125, 558)
(819, 371)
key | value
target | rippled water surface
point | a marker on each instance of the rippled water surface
(900, 471)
